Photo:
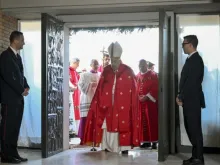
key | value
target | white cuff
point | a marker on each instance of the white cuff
(151, 97)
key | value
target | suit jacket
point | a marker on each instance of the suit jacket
(12, 80)
(190, 87)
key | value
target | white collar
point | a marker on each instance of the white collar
(192, 54)
(15, 52)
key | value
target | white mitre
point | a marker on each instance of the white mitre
(115, 49)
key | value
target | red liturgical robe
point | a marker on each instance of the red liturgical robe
(148, 84)
(121, 114)
(74, 78)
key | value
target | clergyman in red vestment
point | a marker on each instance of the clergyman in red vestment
(147, 82)
(73, 83)
(105, 61)
(113, 119)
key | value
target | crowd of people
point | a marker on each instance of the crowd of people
(113, 106)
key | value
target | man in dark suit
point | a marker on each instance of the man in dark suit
(191, 98)
(13, 88)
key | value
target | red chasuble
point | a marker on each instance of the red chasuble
(122, 116)
(74, 78)
(148, 83)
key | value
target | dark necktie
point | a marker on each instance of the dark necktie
(20, 67)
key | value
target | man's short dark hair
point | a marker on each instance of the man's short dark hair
(150, 64)
(93, 61)
(143, 61)
(15, 35)
(192, 39)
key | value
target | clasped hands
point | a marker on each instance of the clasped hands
(26, 92)
(178, 101)
(143, 98)
(73, 87)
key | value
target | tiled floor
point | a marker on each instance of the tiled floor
(82, 156)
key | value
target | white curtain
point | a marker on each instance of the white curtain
(30, 133)
(207, 29)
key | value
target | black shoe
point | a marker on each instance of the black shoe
(197, 162)
(187, 161)
(154, 146)
(193, 161)
(125, 152)
(21, 159)
(145, 145)
(10, 159)
(107, 150)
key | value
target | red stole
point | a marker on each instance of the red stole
(74, 78)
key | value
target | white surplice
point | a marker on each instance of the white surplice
(110, 140)
(75, 123)
(87, 91)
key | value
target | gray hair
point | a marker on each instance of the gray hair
(75, 60)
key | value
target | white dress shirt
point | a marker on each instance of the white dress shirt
(15, 51)
(191, 54)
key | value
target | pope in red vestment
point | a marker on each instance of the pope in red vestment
(74, 78)
(147, 81)
(113, 118)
